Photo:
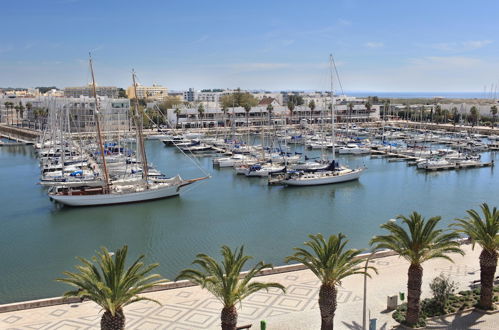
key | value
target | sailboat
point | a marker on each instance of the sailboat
(334, 173)
(131, 190)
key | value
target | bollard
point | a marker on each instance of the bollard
(401, 296)
(263, 325)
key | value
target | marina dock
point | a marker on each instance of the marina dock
(458, 166)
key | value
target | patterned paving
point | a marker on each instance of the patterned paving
(193, 308)
(189, 312)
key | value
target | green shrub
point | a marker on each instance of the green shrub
(431, 307)
(442, 288)
(399, 315)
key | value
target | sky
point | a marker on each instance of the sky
(383, 45)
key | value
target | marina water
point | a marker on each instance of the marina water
(39, 239)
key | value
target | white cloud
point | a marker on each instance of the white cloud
(344, 22)
(200, 40)
(373, 44)
(461, 46)
(445, 61)
(258, 66)
(476, 44)
(6, 49)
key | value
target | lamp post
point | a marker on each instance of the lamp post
(364, 306)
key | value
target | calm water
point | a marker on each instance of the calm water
(403, 95)
(39, 240)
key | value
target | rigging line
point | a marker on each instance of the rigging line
(194, 160)
(337, 75)
(195, 185)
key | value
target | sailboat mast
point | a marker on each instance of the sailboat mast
(140, 136)
(332, 108)
(97, 123)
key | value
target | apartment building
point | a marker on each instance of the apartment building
(154, 92)
(77, 113)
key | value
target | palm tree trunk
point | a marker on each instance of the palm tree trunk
(415, 278)
(110, 322)
(327, 305)
(488, 264)
(229, 318)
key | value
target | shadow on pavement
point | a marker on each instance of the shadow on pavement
(459, 321)
(356, 326)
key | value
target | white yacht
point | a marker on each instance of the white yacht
(336, 175)
(354, 149)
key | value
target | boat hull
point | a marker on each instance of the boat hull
(354, 175)
(117, 198)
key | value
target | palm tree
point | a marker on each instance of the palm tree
(368, 106)
(29, 106)
(201, 112)
(12, 107)
(224, 280)
(291, 108)
(350, 109)
(225, 109)
(311, 105)
(455, 116)
(21, 110)
(6, 105)
(177, 113)
(408, 110)
(331, 263)
(247, 108)
(270, 109)
(474, 116)
(493, 111)
(484, 231)
(438, 113)
(445, 114)
(17, 108)
(110, 285)
(420, 242)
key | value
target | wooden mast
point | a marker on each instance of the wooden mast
(99, 134)
(140, 136)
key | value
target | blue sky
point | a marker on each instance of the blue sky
(383, 45)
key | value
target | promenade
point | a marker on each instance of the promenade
(194, 308)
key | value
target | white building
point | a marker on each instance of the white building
(259, 115)
(78, 113)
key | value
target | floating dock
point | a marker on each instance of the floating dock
(458, 166)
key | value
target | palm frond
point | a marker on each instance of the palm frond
(417, 239)
(106, 280)
(224, 279)
(482, 230)
(329, 260)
